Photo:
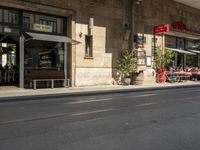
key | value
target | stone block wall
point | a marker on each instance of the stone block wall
(155, 12)
(111, 20)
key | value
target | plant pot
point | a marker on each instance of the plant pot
(138, 78)
(127, 80)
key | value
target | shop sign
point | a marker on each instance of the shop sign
(161, 28)
(141, 56)
(43, 28)
(139, 39)
(6, 29)
(182, 27)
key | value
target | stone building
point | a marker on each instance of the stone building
(81, 38)
(183, 36)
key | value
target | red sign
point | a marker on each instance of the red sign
(161, 28)
(180, 26)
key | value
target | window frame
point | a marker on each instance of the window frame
(12, 14)
(89, 54)
(51, 23)
(28, 22)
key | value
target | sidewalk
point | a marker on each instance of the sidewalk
(8, 92)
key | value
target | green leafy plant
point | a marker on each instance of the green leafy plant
(127, 63)
(163, 57)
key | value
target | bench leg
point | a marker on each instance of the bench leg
(64, 83)
(34, 84)
(30, 84)
(67, 83)
(52, 84)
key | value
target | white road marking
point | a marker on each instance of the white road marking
(35, 118)
(91, 112)
(89, 101)
(145, 95)
(145, 104)
(104, 99)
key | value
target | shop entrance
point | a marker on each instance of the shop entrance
(9, 60)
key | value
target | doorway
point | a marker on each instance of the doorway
(9, 60)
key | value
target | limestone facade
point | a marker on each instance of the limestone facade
(156, 12)
(112, 20)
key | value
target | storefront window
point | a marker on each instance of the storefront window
(44, 55)
(180, 43)
(170, 41)
(193, 44)
(43, 23)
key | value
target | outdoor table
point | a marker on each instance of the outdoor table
(195, 75)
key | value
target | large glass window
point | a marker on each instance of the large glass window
(180, 43)
(43, 60)
(170, 41)
(43, 23)
(44, 55)
(13, 17)
(192, 44)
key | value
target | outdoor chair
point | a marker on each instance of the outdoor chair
(172, 78)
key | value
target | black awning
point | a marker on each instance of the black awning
(48, 37)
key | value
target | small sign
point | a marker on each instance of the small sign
(141, 56)
(139, 39)
(179, 26)
(43, 28)
(161, 28)
(6, 29)
(148, 61)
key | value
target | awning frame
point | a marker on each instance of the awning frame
(47, 37)
(181, 51)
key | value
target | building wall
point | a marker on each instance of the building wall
(112, 20)
(155, 12)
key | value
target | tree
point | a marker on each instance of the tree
(127, 63)
(163, 57)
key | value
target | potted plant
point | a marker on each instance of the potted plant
(163, 59)
(126, 64)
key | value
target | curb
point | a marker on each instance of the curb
(89, 93)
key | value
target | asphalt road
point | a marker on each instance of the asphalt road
(146, 120)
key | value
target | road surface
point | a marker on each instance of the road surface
(167, 119)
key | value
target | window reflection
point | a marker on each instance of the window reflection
(44, 55)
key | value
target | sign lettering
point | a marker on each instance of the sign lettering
(161, 28)
(180, 26)
(43, 28)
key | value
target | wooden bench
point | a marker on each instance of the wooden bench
(34, 76)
